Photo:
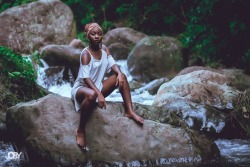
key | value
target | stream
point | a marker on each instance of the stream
(236, 152)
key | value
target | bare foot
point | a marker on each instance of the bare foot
(135, 117)
(80, 138)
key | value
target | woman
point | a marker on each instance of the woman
(89, 87)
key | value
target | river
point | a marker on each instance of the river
(236, 151)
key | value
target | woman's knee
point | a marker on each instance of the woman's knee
(91, 96)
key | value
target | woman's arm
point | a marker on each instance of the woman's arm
(115, 68)
(85, 59)
(120, 76)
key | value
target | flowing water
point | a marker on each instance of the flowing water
(234, 151)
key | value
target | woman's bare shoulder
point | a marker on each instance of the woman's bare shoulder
(85, 57)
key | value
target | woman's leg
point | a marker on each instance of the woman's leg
(87, 96)
(109, 87)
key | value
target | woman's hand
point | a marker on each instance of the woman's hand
(121, 79)
(101, 101)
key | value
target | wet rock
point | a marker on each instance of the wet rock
(152, 86)
(202, 98)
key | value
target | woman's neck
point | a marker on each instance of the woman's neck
(94, 48)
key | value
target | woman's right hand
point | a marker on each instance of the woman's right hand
(101, 101)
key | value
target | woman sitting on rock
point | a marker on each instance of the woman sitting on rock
(90, 88)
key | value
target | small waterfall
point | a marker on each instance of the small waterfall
(124, 68)
(51, 78)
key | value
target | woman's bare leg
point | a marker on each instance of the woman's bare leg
(87, 97)
(109, 87)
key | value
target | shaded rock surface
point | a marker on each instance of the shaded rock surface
(120, 41)
(155, 57)
(62, 55)
(47, 128)
(31, 26)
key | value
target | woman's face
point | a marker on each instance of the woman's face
(95, 36)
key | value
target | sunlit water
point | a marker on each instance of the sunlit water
(234, 151)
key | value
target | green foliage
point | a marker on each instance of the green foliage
(35, 58)
(200, 36)
(86, 11)
(154, 17)
(211, 30)
(18, 70)
(11, 3)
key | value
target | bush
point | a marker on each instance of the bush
(18, 70)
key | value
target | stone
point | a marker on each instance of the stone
(202, 98)
(34, 25)
(120, 41)
(155, 57)
(47, 128)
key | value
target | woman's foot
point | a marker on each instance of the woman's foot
(139, 120)
(80, 139)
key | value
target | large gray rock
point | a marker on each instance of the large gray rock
(236, 78)
(200, 98)
(62, 55)
(121, 40)
(155, 57)
(47, 128)
(29, 27)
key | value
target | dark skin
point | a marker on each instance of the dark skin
(87, 95)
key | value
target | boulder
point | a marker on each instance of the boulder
(62, 55)
(31, 26)
(202, 98)
(152, 87)
(47, 128)
(236, 78)
(155, 57)
(121, 40)
(77, 43)
(119, 51)
(195, 68)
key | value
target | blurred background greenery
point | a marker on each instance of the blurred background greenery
(215, 32)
